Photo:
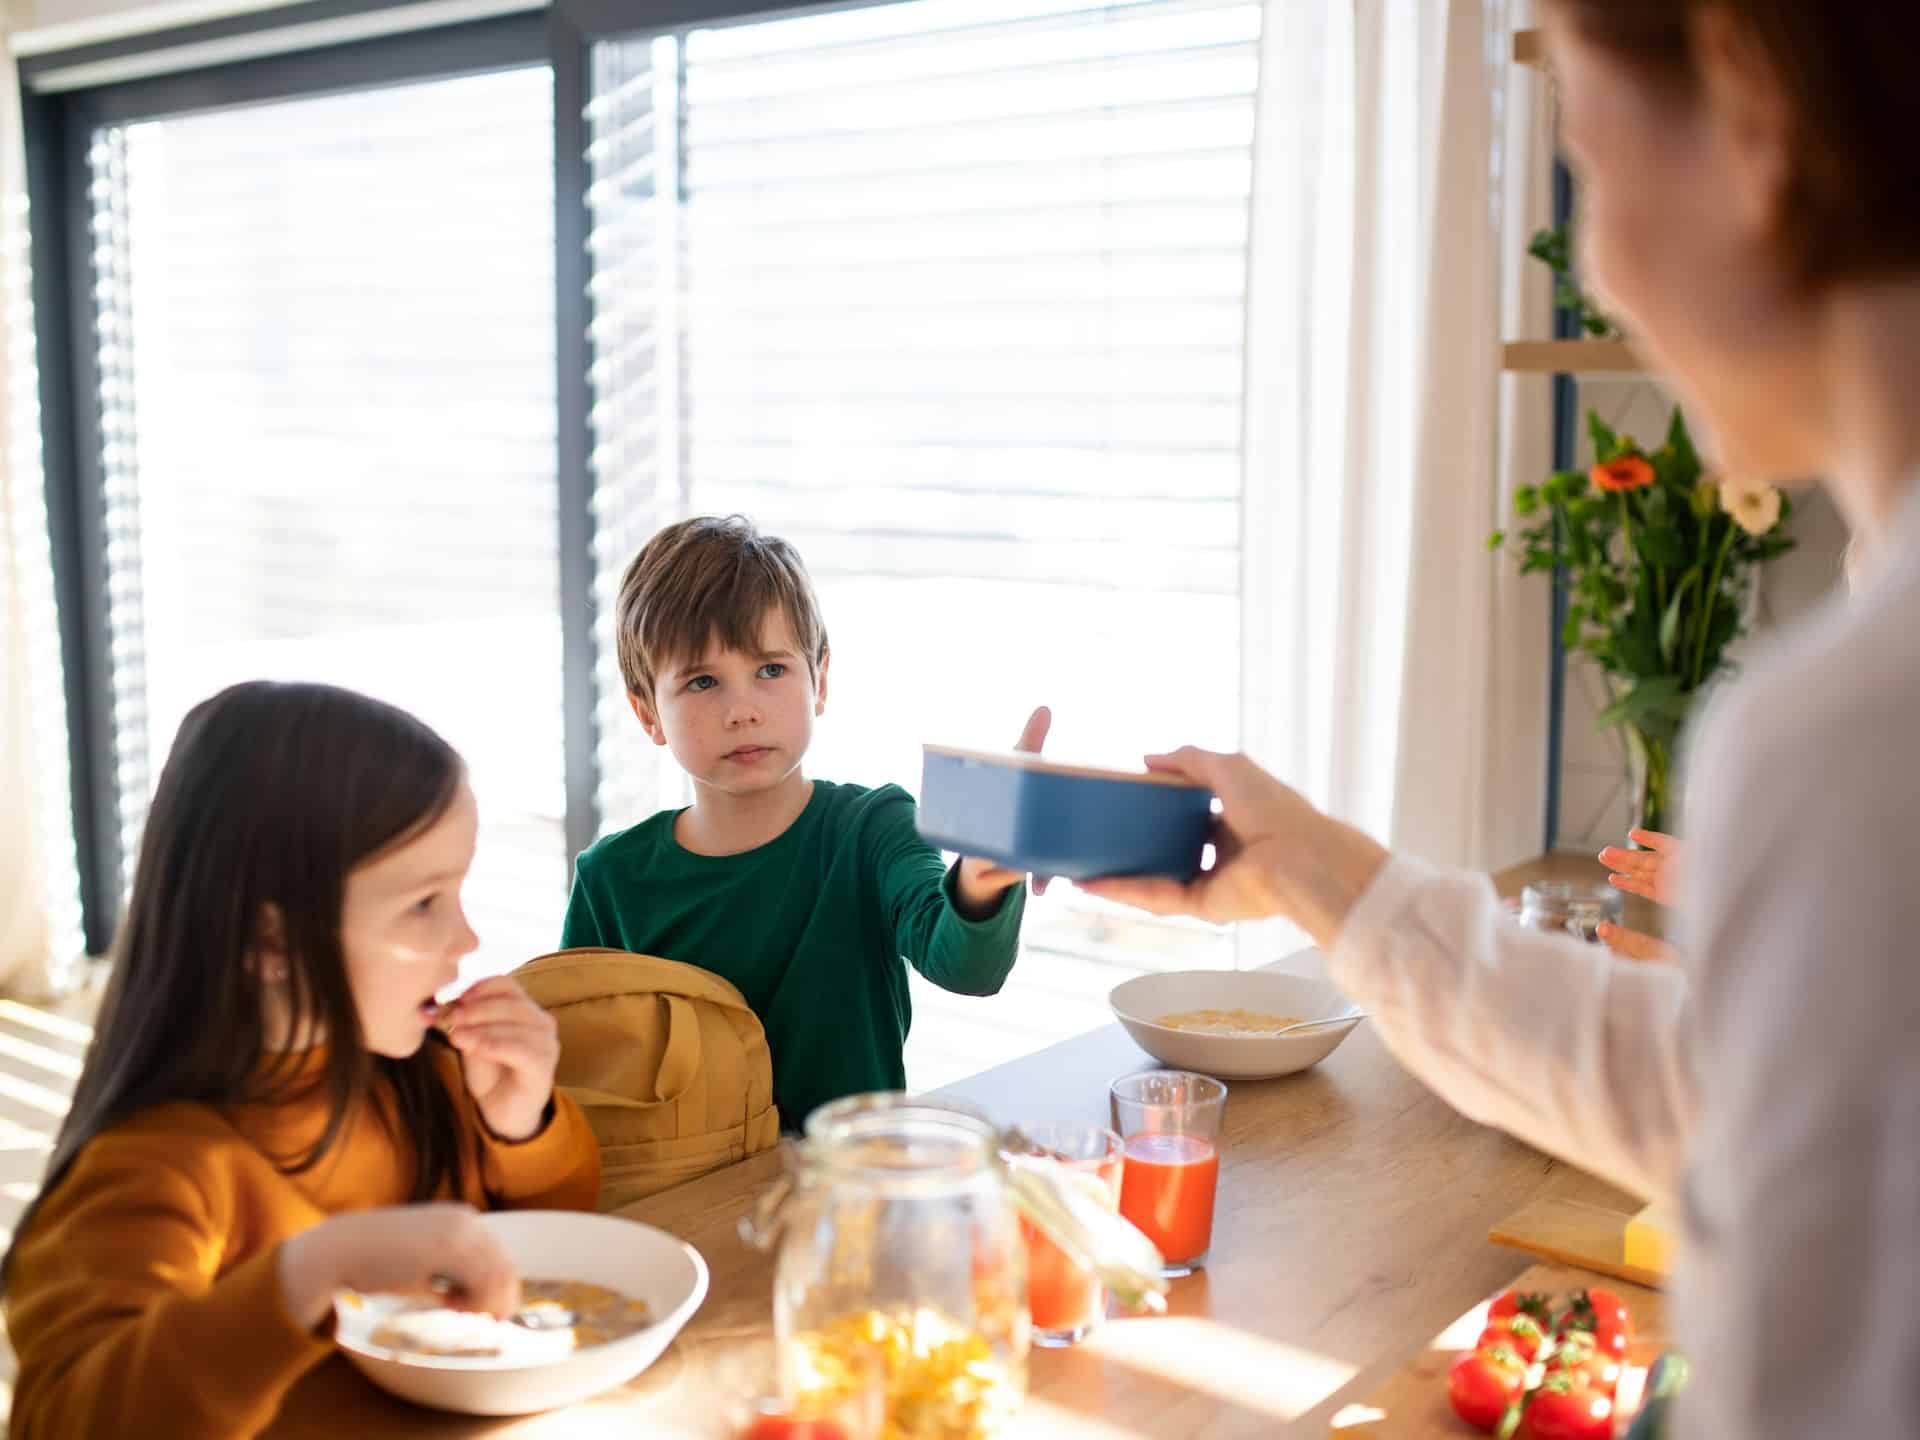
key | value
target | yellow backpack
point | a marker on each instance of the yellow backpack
(667, 1060)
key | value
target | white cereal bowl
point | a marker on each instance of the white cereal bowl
(634, 1259)
(1140, 1002)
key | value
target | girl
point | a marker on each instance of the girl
(267, 1112)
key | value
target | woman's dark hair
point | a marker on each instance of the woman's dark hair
(271, 795)
(1852, 208)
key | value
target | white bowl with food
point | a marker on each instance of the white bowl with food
(1225, 1022)
(625, 1288)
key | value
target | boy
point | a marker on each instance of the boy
(805, 894)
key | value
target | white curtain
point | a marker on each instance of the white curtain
(40, 942)
(1396, 671)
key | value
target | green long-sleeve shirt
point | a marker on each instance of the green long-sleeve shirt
(813, 927)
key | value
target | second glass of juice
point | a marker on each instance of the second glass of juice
(1169, 1123)
(1067, 1301)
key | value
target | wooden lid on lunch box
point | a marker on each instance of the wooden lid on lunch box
(1024, 760)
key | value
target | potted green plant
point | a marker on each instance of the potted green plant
(1657, 557)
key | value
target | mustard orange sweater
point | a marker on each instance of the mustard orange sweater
(145, 1297)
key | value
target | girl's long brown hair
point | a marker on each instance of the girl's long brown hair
(271, 795)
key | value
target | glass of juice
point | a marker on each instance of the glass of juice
(1169, 1122)
(1067, 1301)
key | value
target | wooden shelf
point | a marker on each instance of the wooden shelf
(1529, 49)
(1569, 357)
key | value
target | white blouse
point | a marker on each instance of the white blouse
(1772, 1085)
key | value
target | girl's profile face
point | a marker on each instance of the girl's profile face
(403, 931)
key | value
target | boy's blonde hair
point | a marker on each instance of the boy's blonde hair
(706, 579)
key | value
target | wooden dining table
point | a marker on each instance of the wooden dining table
(1351, 1227)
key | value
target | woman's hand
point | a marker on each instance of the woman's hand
(399, 1250)
(508, 1049)
(1274, 854)
(1635, 945)
(1653, 872)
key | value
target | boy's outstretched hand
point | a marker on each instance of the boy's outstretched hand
(981, 883)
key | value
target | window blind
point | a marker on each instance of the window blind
(951, 294)
(325, 339)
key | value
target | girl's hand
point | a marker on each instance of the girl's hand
(981, 883)
(1633, 945)
(508, 1047)
(401, 1250)
(1653, 872)
(1274, 854)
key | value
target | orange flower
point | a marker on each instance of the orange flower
(1629, 472)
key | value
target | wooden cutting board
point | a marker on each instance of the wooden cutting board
(1413, 1404)
(1568, 1232)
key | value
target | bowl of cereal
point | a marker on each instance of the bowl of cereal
(603, 1298)
(1227, 1023)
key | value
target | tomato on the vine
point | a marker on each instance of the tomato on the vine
(1522, 1332)
(1579, 1352)
(1483, 1383)
(1600, 1312)
(1522, 1302)
(1565, 1407)
(1581, 1347)
(786, 1427)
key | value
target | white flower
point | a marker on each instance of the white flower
(1754, 508)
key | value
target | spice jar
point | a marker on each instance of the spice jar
(900, 1249)
(1577, 910)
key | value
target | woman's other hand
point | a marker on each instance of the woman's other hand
(1636, 945)
(1652, 872)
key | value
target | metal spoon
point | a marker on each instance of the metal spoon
(1353, 1016)
(545, 1316)
(549, 1316)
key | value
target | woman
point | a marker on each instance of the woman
(1751, 206)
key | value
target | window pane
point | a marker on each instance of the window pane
(950, 295)
(327, 392)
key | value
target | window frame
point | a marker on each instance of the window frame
(292, 51)
(57, 125)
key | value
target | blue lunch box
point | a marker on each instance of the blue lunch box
(1032, 814)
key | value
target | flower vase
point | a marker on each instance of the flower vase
(1650, 764)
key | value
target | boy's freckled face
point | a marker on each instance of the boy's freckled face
(739, 722)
